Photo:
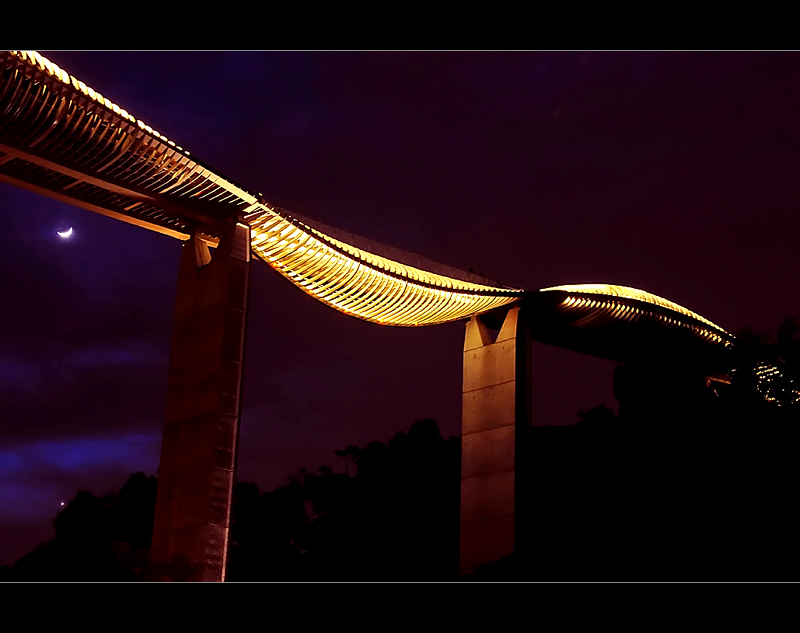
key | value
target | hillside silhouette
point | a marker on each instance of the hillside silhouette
(692, 480)
(394, 518)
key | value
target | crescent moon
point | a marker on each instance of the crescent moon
(66, 233)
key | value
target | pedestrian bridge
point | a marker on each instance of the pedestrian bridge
(64, 139)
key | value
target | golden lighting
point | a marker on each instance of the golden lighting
(355, 281)
(46, 65)
(349, 279)
(362, 284)
(606, 306)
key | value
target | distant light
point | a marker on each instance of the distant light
(65, 234)
(62, 503)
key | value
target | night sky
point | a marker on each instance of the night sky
(667, 171)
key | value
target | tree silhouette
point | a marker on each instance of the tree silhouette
(97, 538)
(396, 518)
(693, 480)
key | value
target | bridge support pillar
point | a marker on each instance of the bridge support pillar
(201, 427)
(494, 443)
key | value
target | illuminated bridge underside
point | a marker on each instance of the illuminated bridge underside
(626, 324)
(363, 284)
(62, 138)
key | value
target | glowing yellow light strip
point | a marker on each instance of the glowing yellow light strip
(615, 310)
(633, 293)
(366, 285)
(349, 279)
(46, 65)
(362, 284)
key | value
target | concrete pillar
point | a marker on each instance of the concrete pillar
(201, 428)
(494, 443)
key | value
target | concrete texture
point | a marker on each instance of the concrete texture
(198, 450)
(494, 445)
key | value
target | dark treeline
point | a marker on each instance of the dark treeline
(693, 480)
(97, 538)
(393, 516)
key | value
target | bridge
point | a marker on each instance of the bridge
(62, 138)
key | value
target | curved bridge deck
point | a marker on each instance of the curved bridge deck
(62, 138)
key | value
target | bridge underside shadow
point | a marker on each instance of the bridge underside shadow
(497, 484)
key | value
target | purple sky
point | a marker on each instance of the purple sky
(670, 172)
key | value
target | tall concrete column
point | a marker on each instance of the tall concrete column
(201, 428)
(494, 443)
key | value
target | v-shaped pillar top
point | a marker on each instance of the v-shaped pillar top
(494, 441)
